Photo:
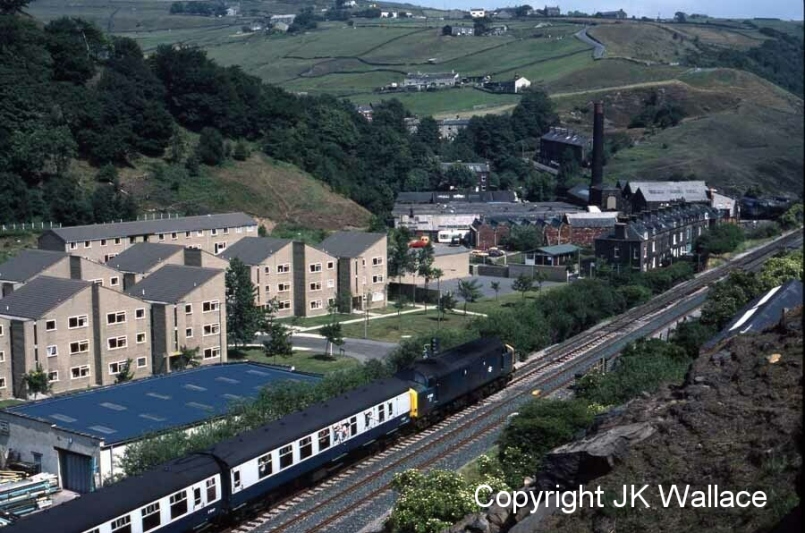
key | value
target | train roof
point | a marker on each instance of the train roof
(457, 357)
(289, 428)
(123, 497)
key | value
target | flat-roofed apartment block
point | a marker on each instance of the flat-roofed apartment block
(188, 310)
(29, 264)
(101, 242)
(82, 334)
(144, 258)
(362, 271)
(6, 390)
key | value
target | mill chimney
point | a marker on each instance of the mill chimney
(598, 144)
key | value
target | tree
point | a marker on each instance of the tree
(279, 335)
(241, 151)
(469, 290)
(210, 148)
(495, 286)
(533, 116)
(780, 269)
(399, 305)
(334, 335)
(187, 357)
(447, 302)
(447, 30)
(540, 277)
(524, 238)
(792, 218)
(36, 381)
(720, 240)
(400, 260)
(9, 7)
(680, 17)
(243, 318)
(125, 372)
(523, 284)
(424, 268)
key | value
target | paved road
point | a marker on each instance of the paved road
(360, 349)
(598, 48)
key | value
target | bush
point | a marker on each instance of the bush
(210, 149)
(719, 240)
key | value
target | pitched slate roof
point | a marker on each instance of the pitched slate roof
(475, 167)
(28, 263)
(566, 136)
(254, 250)
(143, 257)
(592, 220)
(349, 243)
(666, 191)
(36, 298)
(171, 283)
(559, 249)
(147, 227)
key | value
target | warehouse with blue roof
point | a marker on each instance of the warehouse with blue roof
(82, 436)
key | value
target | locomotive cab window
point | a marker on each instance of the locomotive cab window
(178, 503)
(305, 448)
(151, 516)
(212, 490)
(286, 456)
(324, 439)
(236, 479)
(264, 466)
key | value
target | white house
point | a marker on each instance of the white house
(477, 13)
(520, 84)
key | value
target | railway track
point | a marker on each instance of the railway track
(328, 505)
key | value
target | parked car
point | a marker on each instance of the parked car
(494, 252)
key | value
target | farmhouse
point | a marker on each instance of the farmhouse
(81, 437)
(552, 11)
(619, 14)
(477, 13)
(457, 31)
(421, 81)
(449, 127)
(284, 19)
(513, 86)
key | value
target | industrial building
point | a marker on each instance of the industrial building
(81, 437)
(554, 145)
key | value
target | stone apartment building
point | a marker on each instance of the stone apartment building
(580, 229)
(301, 277)
(101, 242)
(144, 258)
(82, 334)
(362, 266)
(655, 238)
(6, 388)
(188, 310)
(30, 264)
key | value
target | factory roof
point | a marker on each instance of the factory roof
(531, 210)
(149, 227)
(475, 167)
(144, 256)
(592, 220)
(566, 136)
(254, 250)
(443, 197)
(171, 283)
(761, 313)
(349, 243)
(666, 191)
(128, 411)
(29, 263)
(33, 300)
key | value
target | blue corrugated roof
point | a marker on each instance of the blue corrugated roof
(130, 410)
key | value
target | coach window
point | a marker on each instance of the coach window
(196, 497)
(381, 413)
(305, 448)
(324, 439)
(286, 456)
(212, 490)
(353, 426)
(178, 504)
(151, 517)
(122, 525)
(390, 405)
(264, 466)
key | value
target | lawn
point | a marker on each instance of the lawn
(488, 305)
(413, 324)
(300, 360)
(9, 403)
(449, 101)
(311, 321)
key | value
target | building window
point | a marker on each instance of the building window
(636, 253)
(264, 466)
(161, 236)
(211, 329)
(79, 321)
(212, 490)
(188, 333)
(78, 372)
(50, 325)
(377, 261)
(151, 517)
(117, 317)
(2, 356)
(212, 353)
(324, 439)
(213, 231)
(226, 231)
(653, 246)
(73, 245)
(286, 456)
(116, 343)
(87, 244)
(283, 287)
(1, 330)
(267, 270)
(284, 304)
(188, 309)
(315, 267)
(139, 313)
(283, 268)
(2, 383)
(97, 282)
(330, 265)
(616, 252)
(238, 230)
(117, 240)
(122, 524)
(220, 247)
(108, 257)
(208, 307)
(174, 236)
(315, 286)
(79, 347)
(268, 289)
(200, 233)
(315, 304)
(377, 279)
(140, 338)
(52, 350)
(103, 242)
(178, 504)
(142, 362)
(117, 368)
(330, 283)
(53, 376)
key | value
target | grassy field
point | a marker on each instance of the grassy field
(312, 321)
(12, 242)
(300, 360)
(9, 403)
(413, 324)
(447, 102)
(643, 40)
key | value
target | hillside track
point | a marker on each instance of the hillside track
(354, 491)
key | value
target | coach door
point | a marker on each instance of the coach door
(75, 471)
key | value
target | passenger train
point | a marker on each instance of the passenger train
(237, 475)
